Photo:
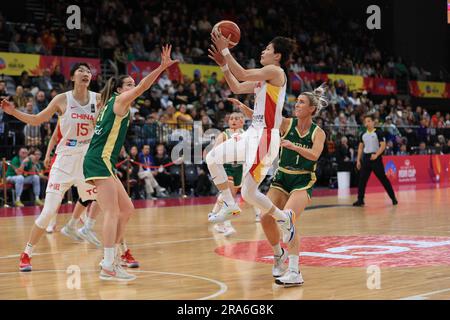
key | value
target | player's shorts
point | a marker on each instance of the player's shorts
(234, 173)
(67, 171)
(256, 148)
(290, 182)
(95, 168)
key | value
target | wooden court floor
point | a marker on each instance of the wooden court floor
(376, 252)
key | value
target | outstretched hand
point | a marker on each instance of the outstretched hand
(166, 60)
(7, 106)
(215, 55)
(220, 42)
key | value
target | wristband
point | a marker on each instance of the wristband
(225, 52)
(224, 68)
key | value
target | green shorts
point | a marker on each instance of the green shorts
(95, 168)
(234, 173)
(288, 183)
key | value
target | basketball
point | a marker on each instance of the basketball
(228, 28)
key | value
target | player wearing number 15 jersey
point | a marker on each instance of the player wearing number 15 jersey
(77, 110)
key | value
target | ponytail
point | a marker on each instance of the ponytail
(110, 88)
(317, 98)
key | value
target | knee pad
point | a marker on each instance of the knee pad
(85, 203)
(50, 210)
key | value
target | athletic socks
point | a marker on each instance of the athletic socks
(277, 251)
(279, 214)
(89, 223)
(228, 197)
(29, 249)
(72, 223)
(108, 257)
(123, 247)
(293, 262)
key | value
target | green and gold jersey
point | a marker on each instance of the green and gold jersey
(109, 134)
(291, 161)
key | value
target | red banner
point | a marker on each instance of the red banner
(416, 169)
(380, 86)
(66, 63)
(139, 69)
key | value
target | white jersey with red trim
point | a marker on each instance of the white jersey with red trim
(269, 102)
(76, 125)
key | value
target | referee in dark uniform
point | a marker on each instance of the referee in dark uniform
(371, 146)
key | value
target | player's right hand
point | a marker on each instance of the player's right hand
(358, 165)
(7, 106)
(215, 55)
(47, 162)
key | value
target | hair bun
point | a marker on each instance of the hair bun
(320, 90)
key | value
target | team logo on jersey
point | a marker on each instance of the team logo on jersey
(98, 130)
(71, 143)
(54, 186)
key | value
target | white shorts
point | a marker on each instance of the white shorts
(256, 149)
(66, 171)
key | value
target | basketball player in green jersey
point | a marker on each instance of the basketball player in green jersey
(234, 171)
(301, 146)
(102, 156)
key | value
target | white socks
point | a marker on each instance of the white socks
(228, 197)
(29, 249)
(279, 214)
(72, 223)
(108, 257)
(293, 262)
(89, 223)
(277, 250)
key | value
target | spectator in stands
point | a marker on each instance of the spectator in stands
(18, 173)
(389, 151)
(38, 166)
(403, 150)
(58, 78)
(134, 171)
(164, 177)
(19, 99)
(3, 92)
(45, 82)
(40, 101)
(178, 55)
(148, 175)
(14, 44)
(25, 80)
(422, 148)
(164, 82)
(344, 155)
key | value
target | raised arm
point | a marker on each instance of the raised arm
(235, 86)
(124, 100)
(267, 73)
(36, 119)
(310, 154)
(244, 109)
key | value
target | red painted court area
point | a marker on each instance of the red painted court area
(352, 251)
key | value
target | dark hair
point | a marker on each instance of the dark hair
(77, 65)
(110, 87)
(286, 47)
(369, 116)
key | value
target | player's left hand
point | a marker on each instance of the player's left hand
(373, 157)
(215, 55)
(287, 144)
(166, 60)
(220, 42)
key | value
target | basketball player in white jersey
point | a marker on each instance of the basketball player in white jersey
(258, 146)
(70, 229)
(77, 110)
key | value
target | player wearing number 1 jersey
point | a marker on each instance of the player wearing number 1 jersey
(77, 110)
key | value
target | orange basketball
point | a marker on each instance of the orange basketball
(228, 28)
